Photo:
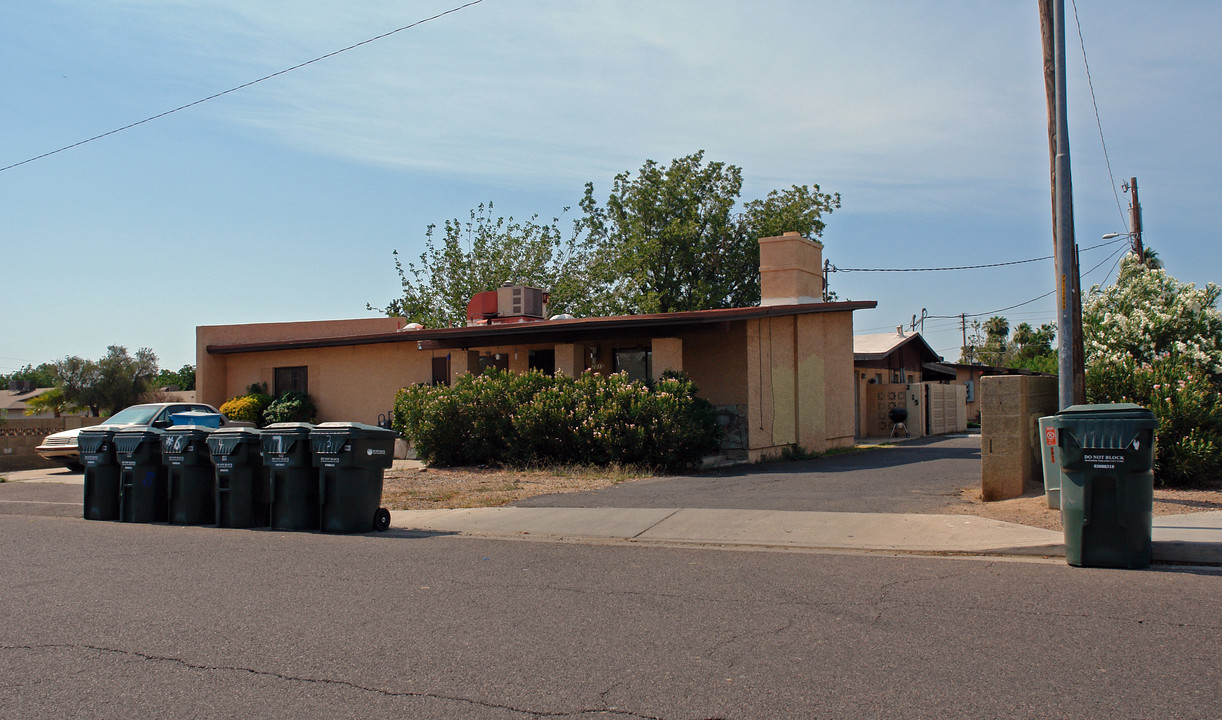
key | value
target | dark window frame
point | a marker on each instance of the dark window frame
(293, 378)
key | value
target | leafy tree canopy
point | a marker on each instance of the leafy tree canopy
(676, 242)
(184, 378)
(110, 384)
(40, 377)
(669, 238)
(482, 254)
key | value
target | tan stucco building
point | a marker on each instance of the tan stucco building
(780, 374)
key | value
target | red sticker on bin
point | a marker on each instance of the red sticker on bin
(1050, 436)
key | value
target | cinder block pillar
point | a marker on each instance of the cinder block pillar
(667, 355)
(462, 363)
(1010, 409)
(519, 360)
(569, 359)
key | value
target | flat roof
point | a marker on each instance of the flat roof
(540, 331)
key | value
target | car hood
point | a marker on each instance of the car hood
(72, 433)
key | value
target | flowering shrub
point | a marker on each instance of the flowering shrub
(290, 407)
(1157, 342)
(535, 419)
(246, 408)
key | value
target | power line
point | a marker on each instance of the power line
(1099, 123)
(833, 268)
(242, 86)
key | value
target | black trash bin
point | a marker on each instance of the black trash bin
(241, 484)
(292, 478)
(1107, 484)
(189, 475)
(351, 458)
(97, 448)
(142, 477)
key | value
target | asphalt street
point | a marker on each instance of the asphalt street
(915, 476)
(109, 620)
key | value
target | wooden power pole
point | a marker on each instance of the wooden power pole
(1071, 357)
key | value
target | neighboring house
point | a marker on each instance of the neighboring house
(969, 376)
(898, 370)
(13, 402)
(780, 374)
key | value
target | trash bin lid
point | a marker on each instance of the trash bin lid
(140, 429)
(289, 428)
(353, 430)
(238, 430)
(196, 430)
(101, 429)
(1108, 411)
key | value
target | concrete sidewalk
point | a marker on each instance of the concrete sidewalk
(1194, 538)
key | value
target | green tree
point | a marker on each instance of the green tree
(52, 401)
(109, 384)
(676, 242)
(40, 377)
(483, 253)
(1155, 341)
(184, 378)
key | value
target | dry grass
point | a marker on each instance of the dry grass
(446, 488)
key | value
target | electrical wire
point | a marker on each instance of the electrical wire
(1124, 221)
(833, 268)
(1025, 302)
(242, 86)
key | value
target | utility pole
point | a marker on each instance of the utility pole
(1135, 222)
(1071, 376)
(963, 326)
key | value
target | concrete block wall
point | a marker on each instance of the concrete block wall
(1010, 408)
(19, 437)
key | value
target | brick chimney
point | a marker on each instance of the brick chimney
(791, 270)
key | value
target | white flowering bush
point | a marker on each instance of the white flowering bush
(1157, 342)
(535, 419)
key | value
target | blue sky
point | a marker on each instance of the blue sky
(284, 201)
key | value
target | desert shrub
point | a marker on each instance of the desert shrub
(290, 407)
(535, 419)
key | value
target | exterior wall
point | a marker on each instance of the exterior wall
(357, 382)
(799, 383)
(211, 381)
(19, 437)
(786, 380)
(882, 397)
(963, 376)
(1011, 406)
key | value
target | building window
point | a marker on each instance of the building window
(637, 362)
(291, 379)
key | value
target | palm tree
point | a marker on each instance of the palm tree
(53, 401)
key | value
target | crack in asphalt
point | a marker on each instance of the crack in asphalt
(339, 683)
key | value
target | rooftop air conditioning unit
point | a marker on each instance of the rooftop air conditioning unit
(520, 301)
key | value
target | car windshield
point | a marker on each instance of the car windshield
(134, 415)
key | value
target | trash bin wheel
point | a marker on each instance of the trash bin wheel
(381, 520)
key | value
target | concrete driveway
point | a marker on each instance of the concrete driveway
(913, 477)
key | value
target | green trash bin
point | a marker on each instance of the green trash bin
(241, 484)
(189, 475)
(291, 476)
(1107, 484)
(1050, 462)
(351, 458)
(142, 476)
(97, 448)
